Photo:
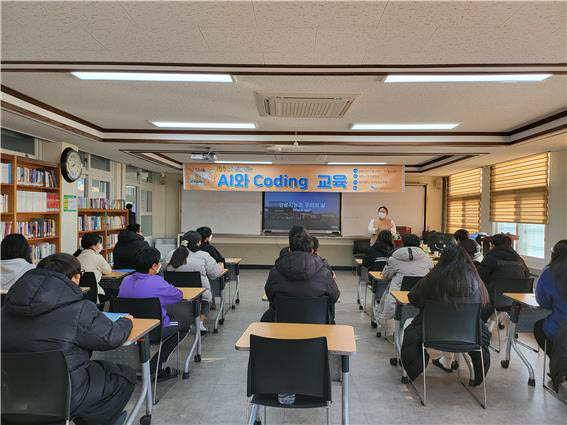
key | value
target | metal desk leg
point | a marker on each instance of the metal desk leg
(220, 316)
(358, 273)
(196, 342)
(372, 318)
(146, 393)
(345, 373)
(237, 294)
(512, 343)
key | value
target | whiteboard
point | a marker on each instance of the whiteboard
(236, 213)
(405, 208)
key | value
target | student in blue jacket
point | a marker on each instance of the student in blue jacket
(551, 293)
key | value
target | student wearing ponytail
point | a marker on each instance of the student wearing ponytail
(189, 258)
(90, 258)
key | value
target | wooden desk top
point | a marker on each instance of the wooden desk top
(114, 275)
(140, 327)
(191, 293)
(358, 261)
(225, 271)
(264, 297)
(401, 296)
(377, 275)
(232, 260)
(525, 299)
(340, 338)
(85, 289)
(3, 291)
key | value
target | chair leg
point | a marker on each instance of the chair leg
(424, 401)
(483, 383)
(328, 414)
(265, 415)
(253, 413)
(157, 372)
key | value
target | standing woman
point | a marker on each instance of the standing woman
(90, 258)
(16, 259)
(379, 223)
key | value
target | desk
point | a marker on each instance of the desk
(114, 274)
(340, 341)
(141, 328)
(521, 302)
(401, 301)
(233, 265)
(193, 295)
(217, 289)
(377, 282)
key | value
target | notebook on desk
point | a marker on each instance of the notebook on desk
(114, 316)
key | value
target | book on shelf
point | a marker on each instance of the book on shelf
(6, 173)
(89, 222)
(110, 258)
(6, 228)
(115, 222)
(36, 228)
(27, 201)
(111, 240)
(4, 203)
(36, 177)
(42, 250)
(101, 203)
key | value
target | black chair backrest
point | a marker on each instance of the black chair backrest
(36, 388)
(510, 285)
(360, 246)
(293, 366)
(183, 279)
(302, 310)
(378, 264)
(88, 280)
(408, 282)
(140, 308)
(451, 326)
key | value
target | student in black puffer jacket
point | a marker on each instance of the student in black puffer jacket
(300, 273)
(130, 241)
(382, 249)
(45, 311)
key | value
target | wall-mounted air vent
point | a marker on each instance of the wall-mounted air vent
(305, 105)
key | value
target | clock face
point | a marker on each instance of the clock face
(71, 165)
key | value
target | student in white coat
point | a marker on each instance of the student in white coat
(16, 259)
(91, 260)
(189, 258)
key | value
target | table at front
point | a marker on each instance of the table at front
(522, 301)
(340, 341)
(233, 265)
(194, 296)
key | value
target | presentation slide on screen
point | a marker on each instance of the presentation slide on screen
(317, 211)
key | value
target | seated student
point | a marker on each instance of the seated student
(454, 280)
(90, 258)
(462, 235)
(471, 247)
(189, 258)
(299, 273)
(551, 294)
(130, 241)
(45, 311)
(381, 250)
(206, 238)
(410, 260)
(147, 283)
(296, 229)
(501, 262)
(16, 259)
(316, 252)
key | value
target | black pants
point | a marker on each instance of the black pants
(541, 337)
(182, 313)
(106, 399)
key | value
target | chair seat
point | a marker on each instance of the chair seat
(452, 347)
(301, 401)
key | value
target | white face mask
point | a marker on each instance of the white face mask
(210, 238)
(98, 248)
(382, 215)
(159, 268)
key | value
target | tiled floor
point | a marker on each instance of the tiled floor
(216, 391)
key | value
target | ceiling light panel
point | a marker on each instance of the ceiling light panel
(206, 125)
(464, 78)
(154, 76)
(399, 126)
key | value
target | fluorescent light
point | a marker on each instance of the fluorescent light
(356, 163)
(463, 78)
(426, 126)
(243, 162)
(154, 76)
(229, 125)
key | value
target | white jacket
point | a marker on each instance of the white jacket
(95, 263)
(12, 270)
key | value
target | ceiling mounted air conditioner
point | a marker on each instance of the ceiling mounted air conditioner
(304, 105)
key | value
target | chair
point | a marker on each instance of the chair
(148, 308)
(452, 329)
(302, 310)
(292, 366)
(559, 355)
(183, 279)
(504, 304)
(88, 280)
(36, 388)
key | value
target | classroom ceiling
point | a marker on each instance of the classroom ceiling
(357, 42)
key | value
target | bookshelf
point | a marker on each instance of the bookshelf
(106, 223)
(31, 202)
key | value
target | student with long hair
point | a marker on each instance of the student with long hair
(551, 293)
(90, 258)
(381, 250)
(206, 238)
(189, 258)
(454, 280)
(16, 259)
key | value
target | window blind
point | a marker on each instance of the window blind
(463, 201)
(519, 190)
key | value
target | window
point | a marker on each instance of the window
(463, 201)
(17, 142)
(100, 163)
(518, 190)
(131, 196)
(146, 201)
(84, 159)
(131, 173)
(531, 240)
(146, 225)
(82, 188)
(100, 189)
(146, 176)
